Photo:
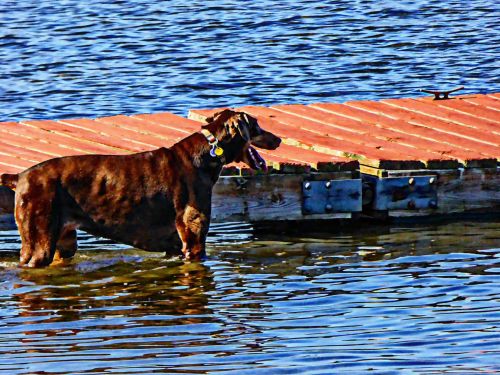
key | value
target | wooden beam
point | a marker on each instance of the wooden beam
(267, 197)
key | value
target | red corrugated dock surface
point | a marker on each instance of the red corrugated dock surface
(410, 133)
(29, 142)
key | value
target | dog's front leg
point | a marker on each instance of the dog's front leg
(192, 225)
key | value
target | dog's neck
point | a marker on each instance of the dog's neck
(195, 150)
(216, 151)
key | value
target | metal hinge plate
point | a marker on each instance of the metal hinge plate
(403, 193)
(331, 196)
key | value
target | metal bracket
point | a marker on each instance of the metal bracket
(403, 193)
(331, 196)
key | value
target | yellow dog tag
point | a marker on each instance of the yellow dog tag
(219, 151)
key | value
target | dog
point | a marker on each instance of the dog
(156, 200)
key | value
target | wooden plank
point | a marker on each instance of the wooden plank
(262, 198)
(416, 124)
(483, 101)
(28, 144)
(98, 142)
(323, 143)
(36, 139)
(22, 153)
(470, 190)
(14, 162)
(420, 136)
(295, 162)
(307, 140)
(448, 120)
(495, 95)
(362, 133)
(57, 139)
(165, 136)
(171, 121)
(481, 113)
(328, 144)
(113, 136)
(201, 115)
(316, 160)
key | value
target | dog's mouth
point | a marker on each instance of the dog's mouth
(254, 160)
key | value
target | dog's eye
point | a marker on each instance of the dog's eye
(257, 130)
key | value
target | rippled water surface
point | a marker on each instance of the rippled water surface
(91, 58)
(386, 300)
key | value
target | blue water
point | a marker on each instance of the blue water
(92, 58)
(386, 300)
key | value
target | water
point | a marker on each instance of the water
(77, 58)
(386, 300)
(389, 300)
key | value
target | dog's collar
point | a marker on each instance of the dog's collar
(215, 149)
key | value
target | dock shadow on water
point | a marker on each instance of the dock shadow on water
(413, 299)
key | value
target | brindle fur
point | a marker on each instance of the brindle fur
(156, 200)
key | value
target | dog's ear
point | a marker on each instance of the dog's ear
(225, 112)
(243, 126)
(212, 118)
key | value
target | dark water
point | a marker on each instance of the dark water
(91, 58)
(388, 300)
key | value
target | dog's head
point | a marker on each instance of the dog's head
(241, 133)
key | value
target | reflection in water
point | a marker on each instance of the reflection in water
(421, 299)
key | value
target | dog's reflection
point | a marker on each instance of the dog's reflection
(128, 288)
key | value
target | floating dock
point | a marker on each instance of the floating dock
(388, 158)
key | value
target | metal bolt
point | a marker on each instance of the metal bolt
(328, 207)
(432, 204)
(307, 185)
(411, 181)
(328, 184)
(432, 180)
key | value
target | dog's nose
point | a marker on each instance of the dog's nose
(277, 142)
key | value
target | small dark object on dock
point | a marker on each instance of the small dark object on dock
(441, 95)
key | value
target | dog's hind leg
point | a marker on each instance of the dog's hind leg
(39, 228)
(66, 246)
(38, 243)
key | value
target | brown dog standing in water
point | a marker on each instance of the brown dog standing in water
(156, 200)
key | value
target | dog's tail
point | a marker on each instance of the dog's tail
(9, 180)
